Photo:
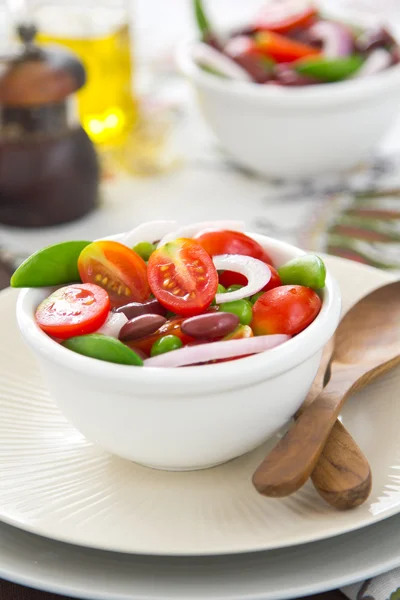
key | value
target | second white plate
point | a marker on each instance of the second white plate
(56, 484)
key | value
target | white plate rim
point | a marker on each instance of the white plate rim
(345, 549)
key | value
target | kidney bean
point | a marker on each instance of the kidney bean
(211, 325)
(135, 309)
(141, 326)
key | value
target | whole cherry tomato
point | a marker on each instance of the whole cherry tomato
(232, 242)
(286, 309)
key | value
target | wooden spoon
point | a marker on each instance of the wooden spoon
(367, 345)
(342, 475)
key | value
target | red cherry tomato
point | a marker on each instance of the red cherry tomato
(73, 310)
(283, 16)
(116, 268)
(275, 280)
(182, 277)
(228, 278)
(283, 49)
(232, 242)
(286, 309)
(171, 327)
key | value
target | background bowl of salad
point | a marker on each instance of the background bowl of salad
(295, 93)
(182, 418)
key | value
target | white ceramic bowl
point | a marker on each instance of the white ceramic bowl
(297, 132)
(188, 418)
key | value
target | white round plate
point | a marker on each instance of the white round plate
(56, 484)
(278, 574)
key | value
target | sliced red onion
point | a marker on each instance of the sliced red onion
(206, 56)
(189, 231)
(113, 325)
(190, 355)
(336, 38)
(147, 232)
(257, 273)
(377, 61)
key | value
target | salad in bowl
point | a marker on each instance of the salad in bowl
(151, 341)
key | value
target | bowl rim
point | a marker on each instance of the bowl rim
(208, 378)
(317, 96)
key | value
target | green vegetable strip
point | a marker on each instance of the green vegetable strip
(329, 70)
(201, 19)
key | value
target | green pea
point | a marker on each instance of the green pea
(234, 287)
(53, 265)
(220, 290)
(166, 344)
(103, 347)
(308, 270)
(254, 298)
(242, 308)
(144, 249)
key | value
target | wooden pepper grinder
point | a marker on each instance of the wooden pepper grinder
(49, 171)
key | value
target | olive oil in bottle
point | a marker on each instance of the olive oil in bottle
(98, 32)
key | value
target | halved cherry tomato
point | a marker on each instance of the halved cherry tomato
(286, 309)
(171, 327)
(283, 16)
(232, 242)
(116, 268)
(73, 310)
(183, 277)
(228, 278)
(283, 49)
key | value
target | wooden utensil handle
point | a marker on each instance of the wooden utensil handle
(288, 466)
(342, 475)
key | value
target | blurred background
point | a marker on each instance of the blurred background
(154, 153)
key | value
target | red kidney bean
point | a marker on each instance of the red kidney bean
(241, 49)
(141, 326)
(210, 326)
(135, 309)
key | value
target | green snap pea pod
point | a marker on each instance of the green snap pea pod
(144, 249)
(201, 19)
(164, 344)
(104, 348)
(234, 287)
(329, 69)
(308, 270)
(54, 265)
(242, 308)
